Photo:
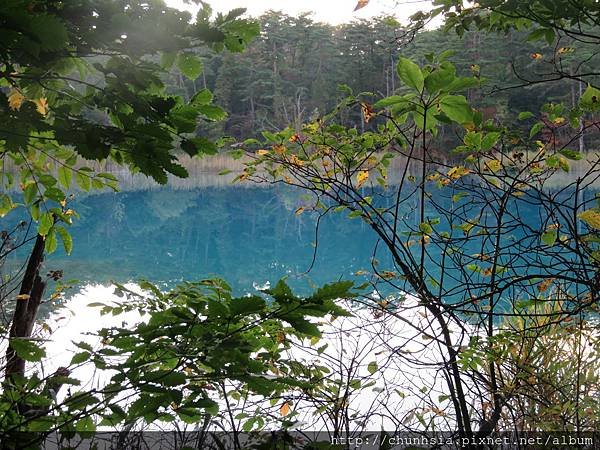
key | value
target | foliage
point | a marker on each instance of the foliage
(451, 222)
(81, 81)
(179, 362)
(91, 80)
(292, 73)
(560, 361)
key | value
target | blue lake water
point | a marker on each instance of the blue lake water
(246, 235)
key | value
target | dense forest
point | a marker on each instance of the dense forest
(296, 69)
(450, 176)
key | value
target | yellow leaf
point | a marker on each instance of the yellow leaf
(565, 50)
(41, 105)
(15, 99)
(280, 337)
(285, 409)
(279, 149)
(372, 161)
(262, 152)
(361, 4)
(299, 211)
(296, 161)
(536, 56)
(367, 111)
(493, 166)
(544, 285)
(456, 172)
(23, 297)
(361, 177)
(438, 411)
(591, 217)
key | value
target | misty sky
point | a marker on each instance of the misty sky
(332, 11)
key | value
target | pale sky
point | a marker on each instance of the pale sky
(332, 11)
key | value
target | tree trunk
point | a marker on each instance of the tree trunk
(26, 308)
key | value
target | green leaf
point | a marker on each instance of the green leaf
(372, 367)
(199, 146)
(410, 74)
(202, 97)
(65, 174)
(591, 217)
(590, 100)
(189, 65)
(27, 349)
(47, 180)
(524, 115)
(83, 180)
(80, 358)
(425, 228)
(66, 238)
(389, 101)
(334, 291)
(457, 108)
(460, 84)
(29, 193)
(49, 31)
(167, 59)
(549, 237)
(85, 425)
(167, 378)
(571, 154)
(55, 194)
(247, 305)
(185, 118)
(304, 327)
(542, 33)
(536, 129)
(45, 224)
(489, 140)
(50, 242)
(212, 112)
(563, 164)
(441, 78)
(6, 204)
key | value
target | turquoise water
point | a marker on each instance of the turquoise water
(246, 235)
(251, 236)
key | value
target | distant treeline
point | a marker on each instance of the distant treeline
(292, 73)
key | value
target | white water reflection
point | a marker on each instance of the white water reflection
(388, 366)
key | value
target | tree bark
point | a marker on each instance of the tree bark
(26, 308)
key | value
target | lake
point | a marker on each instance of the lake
(204, 226)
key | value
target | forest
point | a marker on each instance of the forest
(220, 231)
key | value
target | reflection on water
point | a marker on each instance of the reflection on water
(244, 235)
